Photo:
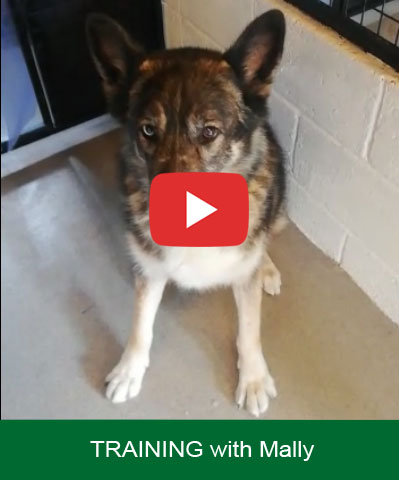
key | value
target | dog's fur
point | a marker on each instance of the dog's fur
(190, 110)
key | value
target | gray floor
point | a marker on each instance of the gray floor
(67, 303)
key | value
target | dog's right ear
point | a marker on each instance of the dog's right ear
(116, 57)
(257, 51)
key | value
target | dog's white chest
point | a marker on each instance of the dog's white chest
(206, 267)
(199, 267)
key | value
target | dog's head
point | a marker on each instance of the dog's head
(189, 109)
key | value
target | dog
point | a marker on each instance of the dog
(196, 110)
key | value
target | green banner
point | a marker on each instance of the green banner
(103, 449)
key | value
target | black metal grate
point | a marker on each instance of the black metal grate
(371, 24)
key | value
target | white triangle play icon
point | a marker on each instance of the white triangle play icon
(196, 209)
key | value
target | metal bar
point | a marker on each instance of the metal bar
(345, 7)
(40, 76)
(363, 12)
(382, 14)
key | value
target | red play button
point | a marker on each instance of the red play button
(199, 209)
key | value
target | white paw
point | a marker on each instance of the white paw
(255, 387)
(272, 281)
(125, 380)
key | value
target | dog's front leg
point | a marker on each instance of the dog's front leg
(255, 384)
(125, 379)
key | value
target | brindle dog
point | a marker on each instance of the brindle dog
(197, 110)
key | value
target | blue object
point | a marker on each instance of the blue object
(18, 104)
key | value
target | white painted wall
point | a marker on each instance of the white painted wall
(336, 112)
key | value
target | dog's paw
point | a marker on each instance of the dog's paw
(272, 281)
(124, 381)
(255, 388)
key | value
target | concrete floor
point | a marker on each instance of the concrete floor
(67, 305)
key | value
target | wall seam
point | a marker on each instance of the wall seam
(287, 102)
(341, 249)
(369, 139)
(294, 143)
(253, 9)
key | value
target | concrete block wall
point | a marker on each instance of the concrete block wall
(335, 110)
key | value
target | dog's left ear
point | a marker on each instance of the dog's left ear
(257, 52)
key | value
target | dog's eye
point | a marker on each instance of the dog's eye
(210, 132)
(148, 130)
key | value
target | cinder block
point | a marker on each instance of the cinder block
(350, 189)
(326, 77)
(378, 281)
(384, 152)
(284, 120)
(193, 37)
(172, 27)
(222, 20)
(314, 221)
